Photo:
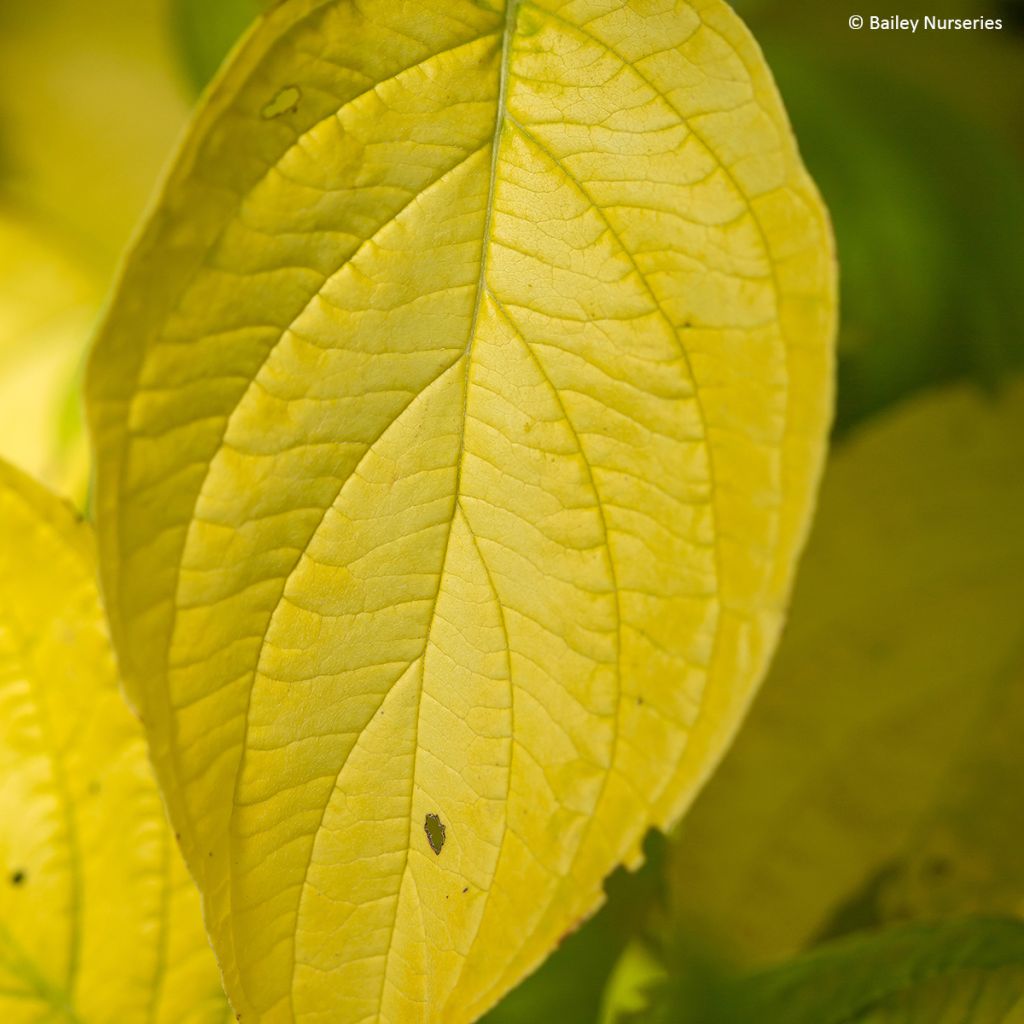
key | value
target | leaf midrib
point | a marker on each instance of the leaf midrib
(500, 120)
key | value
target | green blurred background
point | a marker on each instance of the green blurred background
(858, 795)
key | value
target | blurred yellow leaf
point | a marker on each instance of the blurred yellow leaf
(47, 304)
(90, 105)
(878, 774)
(458, 422)
(628, 990)
(99, 921)
(91, 102)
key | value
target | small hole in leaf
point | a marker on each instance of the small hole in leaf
(285, 102)
(435, 830)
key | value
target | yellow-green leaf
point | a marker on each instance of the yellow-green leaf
(458, 420)
(47, 304)
(99, 921)
(877, 776)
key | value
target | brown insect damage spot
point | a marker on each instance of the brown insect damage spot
(435, 830)
(285, 102)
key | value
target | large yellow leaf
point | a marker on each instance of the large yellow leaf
(99, 921)
(458, 420)
(878, 775)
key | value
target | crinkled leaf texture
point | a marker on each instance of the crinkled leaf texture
(458, 420)
(99, 921)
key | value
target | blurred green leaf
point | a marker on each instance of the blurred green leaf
(638, 972)
(928, 208)
(207, 30)
(680, 981)
(878, 772)
(968, 971)
(958, 972)
(978, 73)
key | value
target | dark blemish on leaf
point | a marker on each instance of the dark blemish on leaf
(640, 701)
(17, 878)
(435, 830)
(285, 102)
(938, 867)
(464, 891)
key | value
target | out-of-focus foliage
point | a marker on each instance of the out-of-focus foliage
(916, 143)
(952, 972)
(643, 970)
(47, 302)
(878, 773)
(207, 29)
(91, 101)
(967, 971)
(928, 209)
(676, 979)
(99, 921)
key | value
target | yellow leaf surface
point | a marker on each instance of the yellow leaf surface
(878, 775)
(47, 305)
(99, 921)
(458, 421)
